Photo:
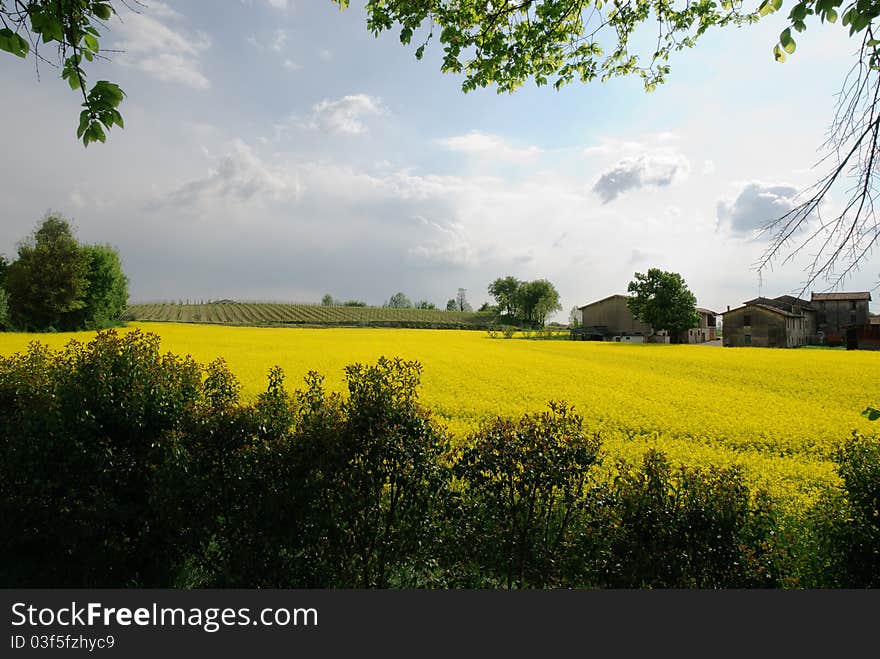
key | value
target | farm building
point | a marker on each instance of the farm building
(838, 311)
(865, 336)
(706, 331)
(610, 319)
(782, 322)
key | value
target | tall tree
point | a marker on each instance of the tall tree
(399, 301)
(461, 301)
(4, 309)
(536, 300)
(504, 291)
(451, 305)
(662, 300)
(48, 281)
(106, 296)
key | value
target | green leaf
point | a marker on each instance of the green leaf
(872, 413)
(13, 43)
(778, 54)
(83, 123)
(786, 41)
(91, 42)
(831, 16)
(102, 11)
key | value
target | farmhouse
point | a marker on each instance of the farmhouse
(865, 336)
(610, 319)
(706, 331)
(837, 311)
(781, 322)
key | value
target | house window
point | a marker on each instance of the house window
(747, 339)
(747, 319)
(852, 305)
(852, 319)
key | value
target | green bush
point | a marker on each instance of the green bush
(846, 523)
(82, 435)
(655, 526)
(4, 309)
(522, 483)
(121, 466)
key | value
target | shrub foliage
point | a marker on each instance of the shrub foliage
(123, 466)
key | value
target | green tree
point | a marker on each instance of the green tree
(71, 28)
(399, 301)
(107, 294)
(424, 304)
(4, 309)
(662, 300)
(504, 290)
(451, 305)
(48, 282)
(575, 317)
(327, 300)
(461, 301)
(536, 300)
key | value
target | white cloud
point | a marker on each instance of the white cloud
(167, 54)
(278, 4)
(344, 116)
(278, 40)
(756, 204)
(449, 245)
(485, 145)
(659, 168)
(290, 65)
(239, 175)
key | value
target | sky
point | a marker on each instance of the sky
(277, 150)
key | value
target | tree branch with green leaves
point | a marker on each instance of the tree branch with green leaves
(72, 27)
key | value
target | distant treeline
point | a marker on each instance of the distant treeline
(120, 466)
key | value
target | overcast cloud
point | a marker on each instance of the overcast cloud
(314, 158)
(755, 206)
(649, 169)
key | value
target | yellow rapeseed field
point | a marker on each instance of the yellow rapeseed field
(779, 413)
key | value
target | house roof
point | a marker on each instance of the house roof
(795, 301)
(604, 299)
(768, 307)
(708, 311)
(784, 302)
(863, 295)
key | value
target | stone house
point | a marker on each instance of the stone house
(837, 311)
(610, 319)
(783, 322)
(705, 331)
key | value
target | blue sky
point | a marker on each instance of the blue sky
(277, 150)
